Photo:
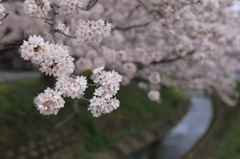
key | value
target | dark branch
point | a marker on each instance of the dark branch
(4, 16)
(175, 58)
(53, 25)
(60, 32)
(91, 4)
(48, 19)
(11, 45)
(94, 85)
(147, 9)
(131, 27)
(48, 23)
(84, 99)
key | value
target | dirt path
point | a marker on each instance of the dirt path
(6, 76)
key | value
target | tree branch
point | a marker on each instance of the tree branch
(4, 16)
(147, 9)
(87, 100)
(69, 117)
(131, 27)
(91, 4)
(53, 24)
(60, 32)
(174, 59)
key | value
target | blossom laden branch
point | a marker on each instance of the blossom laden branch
(55, 60)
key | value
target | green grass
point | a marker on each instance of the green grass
(21, 121)
(229, 145)
(225, 143)
(136, 103)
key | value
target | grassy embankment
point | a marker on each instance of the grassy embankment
(21, 122)
(229, 144)
(225, 142)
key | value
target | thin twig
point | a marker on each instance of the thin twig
(147, 9)
(48, 19)
(56, 5)
(48, 23)
(69, 117)
(53, 24)
(73, 76)
(94, 85)
(58, 31)
(11, 45)
(175, 59)
(91, 4)
(131, 27)
(75, 106)
(84, 99)
(199, 1)
(5, 16)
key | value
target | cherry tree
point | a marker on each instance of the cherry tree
(183, 43)
(54, 59)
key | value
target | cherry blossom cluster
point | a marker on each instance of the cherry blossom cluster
(154, 78)
(103, 102)
(71, 87)
(62, 28)
(70, 7)
(109, 82)
(53, 59)
(49, 102)
(2, 13)
(129, 68)
(93, 32)
(101, 106)
(154, 95)
(37, 8)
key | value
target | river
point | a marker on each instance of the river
(185, 134)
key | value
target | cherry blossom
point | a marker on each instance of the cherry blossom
(49, 102)
(99, 106)
(103, 101)
(53, 59)
(70, 87)
(37, 8)
(70, 7)
(154, 95)
(154, 78)
(62, 28)
(2, 12)
(93, 32)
